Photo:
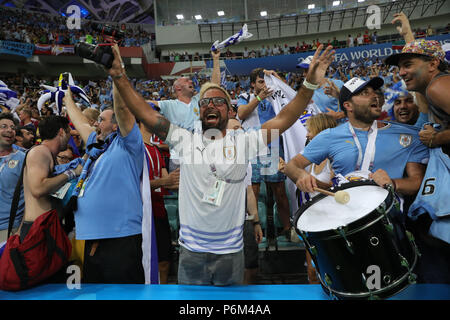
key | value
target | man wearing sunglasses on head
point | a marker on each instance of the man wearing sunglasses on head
(214, 162)
(254, 109)
(183, 111)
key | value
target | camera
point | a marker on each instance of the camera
(101, 53)
(110, 33)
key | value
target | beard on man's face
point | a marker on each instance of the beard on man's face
(212, 119)
(220, 125)
(367, 113)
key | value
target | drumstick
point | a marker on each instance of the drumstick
(340, 196)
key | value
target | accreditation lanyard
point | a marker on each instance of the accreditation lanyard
(366, 163)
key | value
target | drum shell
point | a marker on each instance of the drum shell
(343, 256)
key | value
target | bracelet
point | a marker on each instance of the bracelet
(258, 98)
(118, 77)
(70, 174)
(310, 85)
(256, 222)
(432, 137)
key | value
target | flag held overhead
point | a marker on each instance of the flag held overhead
(236, 38)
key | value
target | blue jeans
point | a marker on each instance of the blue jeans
(203, 268)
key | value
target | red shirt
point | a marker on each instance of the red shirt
(157, 141)
(366, 38)
(156, 163)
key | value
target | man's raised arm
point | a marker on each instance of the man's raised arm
(403, 27)
(124, 117)
(215, 77)
(153, 121)
(77, 117)
(294, 109)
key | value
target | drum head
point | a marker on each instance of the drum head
(326, 214)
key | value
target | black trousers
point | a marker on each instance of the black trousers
(116, 260)
(433, 265)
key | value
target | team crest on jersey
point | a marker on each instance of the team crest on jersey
(405, 140)
(229, 152)
(196, 111)
(13, 163)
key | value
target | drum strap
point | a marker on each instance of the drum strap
(366, 163)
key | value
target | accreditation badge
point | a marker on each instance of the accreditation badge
(61, 192)
(13, 163)
(214, 193)
(405, 140)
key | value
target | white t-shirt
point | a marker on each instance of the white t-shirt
(350, 42)
(206, 227)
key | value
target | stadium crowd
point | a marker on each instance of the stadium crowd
(132, 124)
(39, 28)
(367, 38)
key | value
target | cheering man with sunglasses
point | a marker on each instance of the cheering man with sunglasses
(183, 111)
(214, 162)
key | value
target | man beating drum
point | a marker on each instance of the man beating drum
(389, 154)
(364, 147)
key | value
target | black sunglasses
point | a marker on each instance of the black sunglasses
(217, 101)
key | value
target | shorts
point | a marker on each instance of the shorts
(163, 238)
(115, 260)
(265, 168)
(251, 249)
(204, 268)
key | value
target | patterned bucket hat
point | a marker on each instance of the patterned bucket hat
(429, 48)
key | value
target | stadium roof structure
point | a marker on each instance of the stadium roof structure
(121, 11)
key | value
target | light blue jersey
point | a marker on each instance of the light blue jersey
(262, 113)
(111, 204)
(395, 146)
(421, 120)
(324, 101)
(10, 170)
(181, 114)
(434, 195)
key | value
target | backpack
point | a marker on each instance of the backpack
(42, 253)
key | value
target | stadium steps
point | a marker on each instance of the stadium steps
(272, 226)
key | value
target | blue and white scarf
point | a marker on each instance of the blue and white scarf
(234, 39)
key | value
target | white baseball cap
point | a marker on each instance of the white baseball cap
(355, 85)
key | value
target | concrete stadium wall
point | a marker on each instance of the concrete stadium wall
(189, 38)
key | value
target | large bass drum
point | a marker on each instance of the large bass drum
(360, 249)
